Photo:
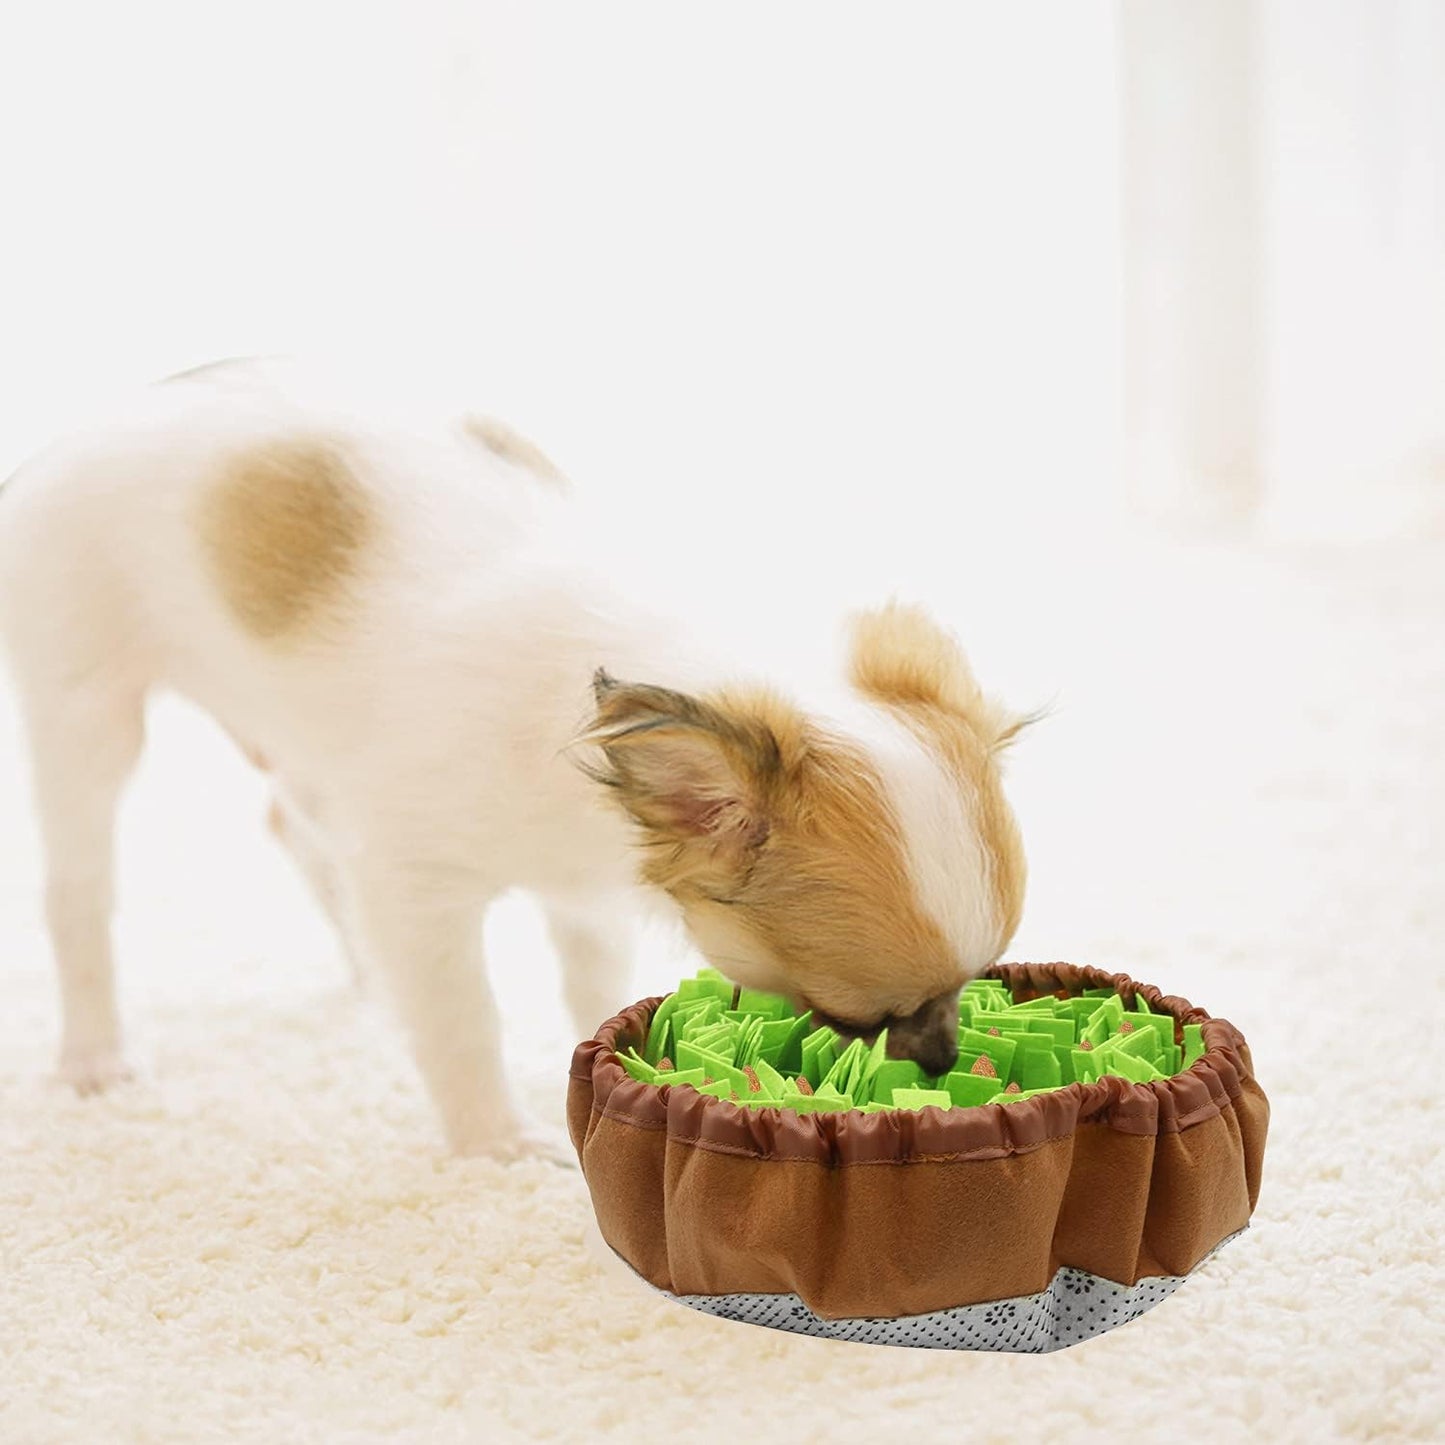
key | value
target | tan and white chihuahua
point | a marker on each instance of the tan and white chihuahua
(391, 617)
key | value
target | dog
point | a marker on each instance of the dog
(392, 616)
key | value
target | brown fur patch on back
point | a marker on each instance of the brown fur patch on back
(511, 446)
(282, 530)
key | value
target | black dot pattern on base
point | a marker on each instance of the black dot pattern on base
(1076, 1306)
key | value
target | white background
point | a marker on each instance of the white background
(815, 302)
(819, 302)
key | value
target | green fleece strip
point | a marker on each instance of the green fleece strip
(921, 1098)
(1193, 1043)
(749, 1047)
(896, 1074)
(764, 1005)
(966, 1089)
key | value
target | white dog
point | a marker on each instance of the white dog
(390, 616)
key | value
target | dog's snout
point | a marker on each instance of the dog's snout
(929, 1036)
(938, 1058)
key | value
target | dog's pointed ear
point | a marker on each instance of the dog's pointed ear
(689, 771)
(602, 683)
(1013, 726)
(902, 657)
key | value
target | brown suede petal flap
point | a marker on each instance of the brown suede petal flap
(905, 1212)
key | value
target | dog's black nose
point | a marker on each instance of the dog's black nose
(938, 1058)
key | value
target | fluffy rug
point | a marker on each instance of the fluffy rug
(1240, 797)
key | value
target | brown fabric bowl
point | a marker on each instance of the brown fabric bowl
(902, 1213)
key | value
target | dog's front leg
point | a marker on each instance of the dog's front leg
(425, 941)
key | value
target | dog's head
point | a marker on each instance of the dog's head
(864, 873)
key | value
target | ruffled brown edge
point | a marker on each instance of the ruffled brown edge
(986, 1131)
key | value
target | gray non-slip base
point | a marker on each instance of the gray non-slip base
(1076, 1306)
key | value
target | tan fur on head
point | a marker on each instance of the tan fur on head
(281, 531)
(780, 845)
(904, 660)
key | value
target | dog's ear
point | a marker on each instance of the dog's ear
(902, 657)
(692, 773)
(1014, 725)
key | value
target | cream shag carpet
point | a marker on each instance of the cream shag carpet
(1240, 797)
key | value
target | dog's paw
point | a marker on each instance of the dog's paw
(93, 1071)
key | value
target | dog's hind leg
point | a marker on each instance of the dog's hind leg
(85, 738)
(314, 858)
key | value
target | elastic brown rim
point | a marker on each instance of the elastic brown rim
(985, 1131)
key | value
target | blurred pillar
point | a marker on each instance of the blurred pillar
(1284, 263)
(1192, 259)
(1353, 148)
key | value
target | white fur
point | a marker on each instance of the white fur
(420, 759)
(941, 837)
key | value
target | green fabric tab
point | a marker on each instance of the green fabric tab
(820, 1053)
(999, 1047)
(1064, 1054)
(1140, 1071)
(750, 1043)
(765, 1005)
(1161, 1025)
(921, 1098)
(704, 987)
(814, 1104)
(977, 986)
(845, 1068)
(1044, 1005)
(896, 1074)
(690, 1056)
(1141, 1043)
(1193, 1043)
(1111, 1010)
(695, 1013)
(1078, 1009)
(659, 1040)
(787, 1057)
(1055, 1029)
(725, 1042)
(1038, 1072)
(772, 1037)
(966, 1090)
(638, 1067)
